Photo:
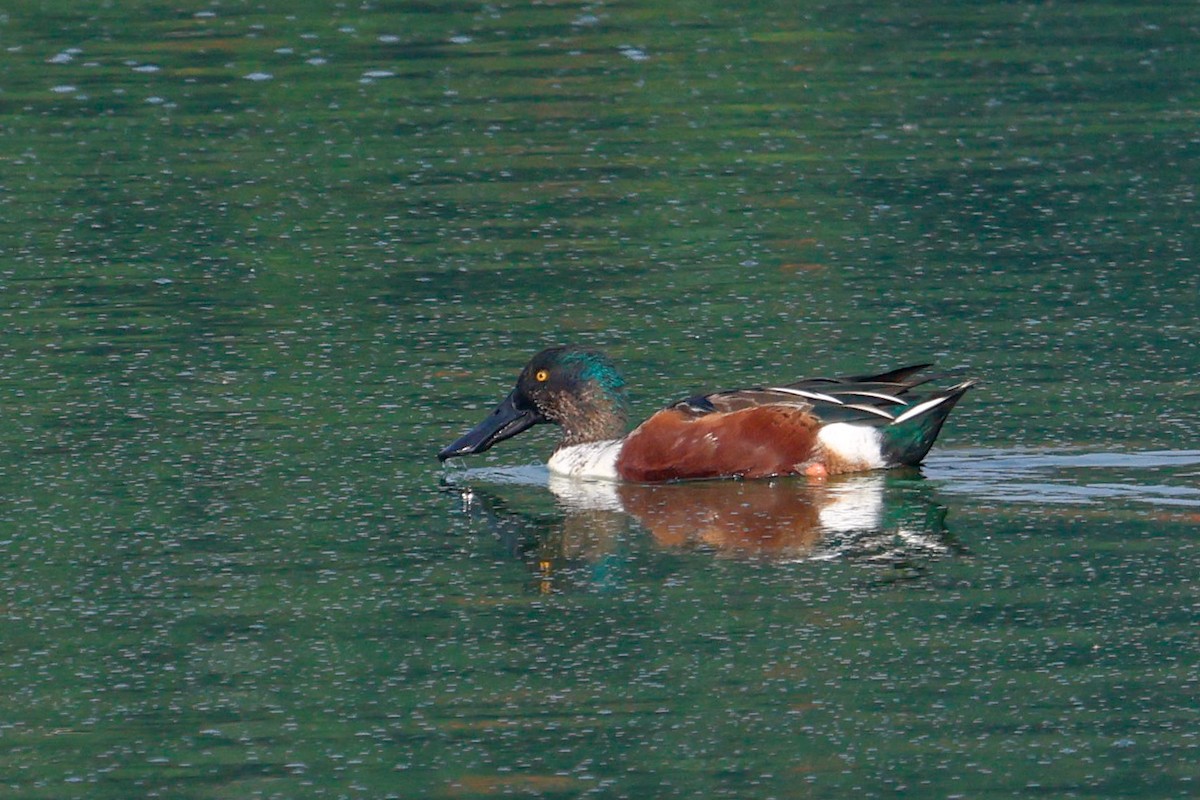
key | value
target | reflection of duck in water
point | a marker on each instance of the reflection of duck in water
(887, 518)
(871, 516)
(816, 427)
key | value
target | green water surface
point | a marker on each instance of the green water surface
(260, 261)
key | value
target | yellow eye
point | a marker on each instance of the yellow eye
(542, 376)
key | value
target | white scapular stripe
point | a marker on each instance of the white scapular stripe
(825, 398)
(918, 409)
(879, 412)
(877, 395)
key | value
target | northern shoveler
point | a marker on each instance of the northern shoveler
(816, 427)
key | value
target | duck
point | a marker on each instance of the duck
(815, 427)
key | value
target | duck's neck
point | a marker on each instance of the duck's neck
(595, 416)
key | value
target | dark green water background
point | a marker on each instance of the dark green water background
(259, 261)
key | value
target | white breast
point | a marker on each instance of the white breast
(591, 460)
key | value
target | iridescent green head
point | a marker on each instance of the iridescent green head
(575, 387)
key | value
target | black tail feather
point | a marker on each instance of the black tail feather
(908, 439)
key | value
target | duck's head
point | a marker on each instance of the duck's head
(574, 387)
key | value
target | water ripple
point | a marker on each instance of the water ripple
(1159, 477)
